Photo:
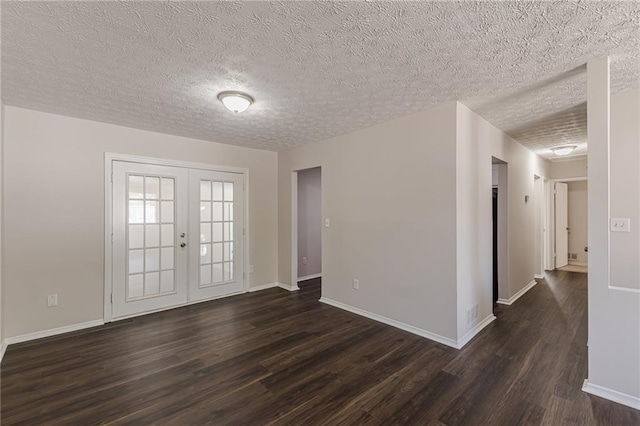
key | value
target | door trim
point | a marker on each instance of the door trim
(109, 158)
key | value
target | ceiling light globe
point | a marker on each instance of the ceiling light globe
(235, 101)
(564, 150)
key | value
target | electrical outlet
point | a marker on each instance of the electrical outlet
(52, 300)
(251, 269)
(356, 284)
(304, 260)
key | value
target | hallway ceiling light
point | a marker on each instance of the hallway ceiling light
(564, 149)
(235, 101)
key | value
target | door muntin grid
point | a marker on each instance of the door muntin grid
(216, 233)
(150, 236)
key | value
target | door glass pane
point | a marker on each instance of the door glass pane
(136, 261)
(205, 190)
(217, 191)
(167, 235)
(152, 259)
(228, 251)
(228, 191)
(151, 213)
(136, 211)
(205, 212)
(152, 235)
(205, 275)
(216, 252)
(152, 188)
(216, 213)
(217, 231)
(205, 253)
(166, 281)
(167, 189)
(205, 232)
(136, 187)
(136, 286)
(166, 258)
(217, 273)
(167, 212)
(136, 236)
(151, 283)
(227, 271)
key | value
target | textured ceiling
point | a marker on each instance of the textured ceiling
(316, 69)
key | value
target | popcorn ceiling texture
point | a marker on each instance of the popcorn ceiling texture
(316, 69)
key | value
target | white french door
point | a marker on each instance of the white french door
(562, 225)
(177, 236)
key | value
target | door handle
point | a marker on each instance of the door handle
(183, 245)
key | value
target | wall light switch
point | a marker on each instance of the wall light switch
(620, 224)
(52, 300)
(327, 222)
(251, 269)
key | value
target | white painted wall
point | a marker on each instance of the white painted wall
(54, 211)
(2, 334)
(477, 142)
(568, 169)
(310, 222)
(389, 191)
(577, 209)
(538, 201)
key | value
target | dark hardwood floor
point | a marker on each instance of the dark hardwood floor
(275, 357)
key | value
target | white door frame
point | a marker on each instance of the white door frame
(550, 237)
(109, 158)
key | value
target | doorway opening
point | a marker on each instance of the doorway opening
(569, 215)
(500, 230)
(539, 226)
(307, 228)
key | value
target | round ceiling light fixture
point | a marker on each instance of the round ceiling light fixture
(564, 149)
(235, 101)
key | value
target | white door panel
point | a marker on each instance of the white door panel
(562, 225)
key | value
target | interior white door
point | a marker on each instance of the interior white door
(150, 214)
(562, 225)
(216, 234)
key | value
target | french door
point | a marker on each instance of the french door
(177, 236)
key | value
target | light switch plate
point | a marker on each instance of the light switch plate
(621, 224)
(327, 222)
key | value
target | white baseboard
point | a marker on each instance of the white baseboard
(611, 395)
(538, 277)
(397, 324)
(3, 349)
(309, 277)
(574, 263)
(262, 287)
(52, 332)
(475, 330)
(289, 287)
(518, 295)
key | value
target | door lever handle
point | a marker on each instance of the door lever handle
(183, 245)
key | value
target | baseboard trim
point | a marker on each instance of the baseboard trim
(397, 324)
(475, 330)
(611, 395)
(518, 295)
(262, 287)
(3, 349)
(52, 332)
(572, 263)
(309, 277)
(538, 277)
(288, 287)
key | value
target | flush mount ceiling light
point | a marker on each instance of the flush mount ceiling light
(564, 149)
(235, 101)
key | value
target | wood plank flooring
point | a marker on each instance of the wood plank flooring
(280, 358)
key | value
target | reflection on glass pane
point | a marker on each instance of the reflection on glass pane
(135, 261)
(136, 189)
(151, 283)
(216, 213)
(228, 251)
(226, 231)
(217, 191)
(136, 286)
(226, 211)
(228, 191)
(217, 273)
(205, 190)
(167, 188)
(167, 258)
(205, 275)
(167, 235)
(152, 259)
(227, 271)
(205, 253)
(151, 212)
(136, 236)
(229, 267)
(205, 212)
(217, 231)
(167, 212)
(231, 236)
(166, 281)
(152, 187)
(205, 232)
(152, 236)
(136, 211)
(216, 252)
